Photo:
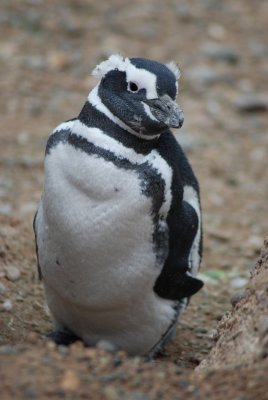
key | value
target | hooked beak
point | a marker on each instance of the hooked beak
(167, 111)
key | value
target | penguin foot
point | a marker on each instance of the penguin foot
(63, 337)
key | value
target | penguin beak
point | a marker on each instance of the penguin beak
(167, 111)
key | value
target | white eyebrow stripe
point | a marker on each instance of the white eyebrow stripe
(144, 79)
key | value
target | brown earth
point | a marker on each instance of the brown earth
(47, 49)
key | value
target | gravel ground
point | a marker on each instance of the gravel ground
(47, 50)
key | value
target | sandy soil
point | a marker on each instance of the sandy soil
(47, 50)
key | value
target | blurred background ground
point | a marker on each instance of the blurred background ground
(47, 50)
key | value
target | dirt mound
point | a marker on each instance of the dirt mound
(242, 334)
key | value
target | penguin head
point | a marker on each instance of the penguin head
(140, 93)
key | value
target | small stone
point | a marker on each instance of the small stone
(30, 393)
(202, 75)
(7, 350)
(7, 305)
(201, 330)
(106, 346)
(255, 242)
(213, 107)
(111, 393)
(263, 326)
(237, 297)
(184, 12)
(58, 60)
(12, 273)
(114, 376)
(70, 381)
(216, 31)
(2, 288)
(221, 52)
(6, 209)
(237, 283)
(51, 345)
(36, 62)
(32, 338)
(23, 138)
(64, 350)
(251, 103)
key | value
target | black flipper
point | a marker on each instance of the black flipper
(175, 281)
(180, 286)
(36, 248)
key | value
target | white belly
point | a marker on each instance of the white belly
(96, 251)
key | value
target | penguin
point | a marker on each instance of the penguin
(118, 229)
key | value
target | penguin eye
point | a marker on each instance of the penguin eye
(133, 87)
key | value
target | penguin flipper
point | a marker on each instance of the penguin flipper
(179, 287)
(36, 248)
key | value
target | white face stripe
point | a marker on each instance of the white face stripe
(95, 100)
(144, 79)
(148, 112)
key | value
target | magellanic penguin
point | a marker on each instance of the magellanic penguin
(118, 228)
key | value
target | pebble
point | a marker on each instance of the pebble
(258, 154)
(237, 297)
(7, 350)
(23, 138)
(263, 326)
(12, 273)
(213, 107)
(111, 392)
(35, 62)
(58, 60)
(30, 393)
(114, 376)
(106, 346)
(255, 242)
(221, 52)
(64, 350)
(7, 305)
(202, 76)
(216, 31)
(251, 103)
(70, 381)
(201, 330)
(2, 288)
(237, 283)
(184, 12)
(6, 209)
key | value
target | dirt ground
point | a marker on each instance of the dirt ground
(47, 50)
